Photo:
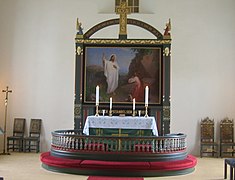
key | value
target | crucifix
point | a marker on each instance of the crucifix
(5, 122)
(123, 10)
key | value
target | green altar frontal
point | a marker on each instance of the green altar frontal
(120, 132)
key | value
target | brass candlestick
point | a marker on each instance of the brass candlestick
(133, 113)
(97, 110)
(110, 112)
(146, 111)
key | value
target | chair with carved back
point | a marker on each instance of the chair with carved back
(15, 142)
(208, 144)
(32, 142)
(227, 145)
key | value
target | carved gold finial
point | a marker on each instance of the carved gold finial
(167, 33)
(123, 10)
(79, 28)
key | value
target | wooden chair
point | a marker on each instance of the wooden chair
(226, 137)
(32, 142)
(231, 163)
(15, 142)
(208, 144)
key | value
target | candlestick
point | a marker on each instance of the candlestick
(103, 112)
(133, 113)
(97, 96)
(97, 111)
(146, 95)
(146, 111)
(110, 112)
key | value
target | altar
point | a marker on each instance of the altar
(120, 126)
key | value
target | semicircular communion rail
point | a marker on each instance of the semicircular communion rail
(73, 144)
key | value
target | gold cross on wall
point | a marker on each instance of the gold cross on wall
(123, 10)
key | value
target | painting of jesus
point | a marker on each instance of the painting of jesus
(122, 73)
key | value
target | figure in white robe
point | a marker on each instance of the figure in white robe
(111, 72)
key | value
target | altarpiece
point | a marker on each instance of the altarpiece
(140, 63)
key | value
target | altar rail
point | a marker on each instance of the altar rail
(74, 144)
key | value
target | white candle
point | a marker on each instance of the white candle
(110, 106)
(146, 95)
(97, 96)
(133, 104)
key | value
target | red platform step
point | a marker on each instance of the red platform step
(106, 168)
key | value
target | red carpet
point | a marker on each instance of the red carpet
(113, 178)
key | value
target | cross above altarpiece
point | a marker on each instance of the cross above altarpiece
(123, 10)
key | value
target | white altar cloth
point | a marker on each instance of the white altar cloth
(126, 122)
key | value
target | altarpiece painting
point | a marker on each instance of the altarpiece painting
(136, 68)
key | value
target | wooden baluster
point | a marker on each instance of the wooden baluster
(89, 144)
(72, 143)
(111, 145)
(163, 145)
(148, 149)
(57, 141)
(154, 145)
(178, 144)
(138, 145)
(61, 142)
(172, 144)
(143, 149)
(65, 142)
(98, 144)
(166, 144)
(160, 145)
(82, 144)
(78, 139)
(169, 145)
(181, 144)
(75, 142)
(130, 145)
(92, 145)
(105, 146)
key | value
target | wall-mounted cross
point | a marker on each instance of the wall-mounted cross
(123, 10)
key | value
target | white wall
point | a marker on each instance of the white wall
(37, 59)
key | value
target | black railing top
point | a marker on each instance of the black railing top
(76, 132)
